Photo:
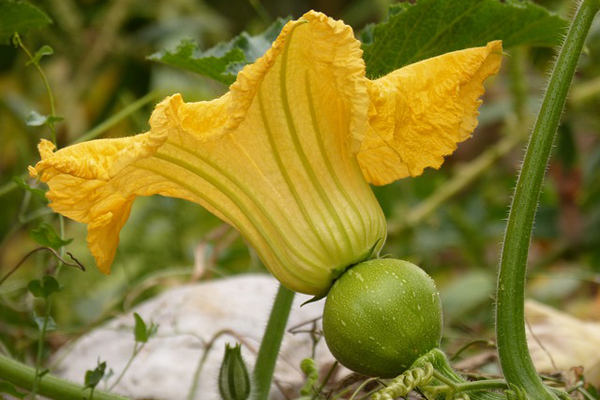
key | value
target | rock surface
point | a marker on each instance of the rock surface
(188, 318)
(558, 341)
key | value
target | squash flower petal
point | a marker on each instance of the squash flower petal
(419, 113)
(286, 156)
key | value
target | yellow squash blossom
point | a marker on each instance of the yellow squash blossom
(287, 155)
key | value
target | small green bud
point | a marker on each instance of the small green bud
(234, 382)
(312, 376)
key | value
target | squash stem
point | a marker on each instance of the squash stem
(270, 344)
(515, 360)
(49, 386)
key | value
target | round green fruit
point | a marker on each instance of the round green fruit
(381, 315)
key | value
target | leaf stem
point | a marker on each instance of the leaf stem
(510, 318)
(49, 386)
(40, 348)
(270, 344)
(136, 350)
(118, 117)
(36, 64)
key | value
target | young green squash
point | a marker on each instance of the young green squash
(382, 315)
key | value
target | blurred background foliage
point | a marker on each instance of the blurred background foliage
(450, 222)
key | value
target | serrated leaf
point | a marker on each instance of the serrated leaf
(93, 377)
(187, 56)
(224, 61)
(9, 389)
(50, 326)
(414, 32)
(45, 235)
(43, 51)
(19, 17)
(23, 185)
(36, 119)
(140, 331)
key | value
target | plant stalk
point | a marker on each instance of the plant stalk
(515, 360)
(270, 344)
(49, 386)
(40, 349)
(37, 66)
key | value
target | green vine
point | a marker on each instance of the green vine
(515, 360)
(49, 386)
(34, 60)
(270, 344)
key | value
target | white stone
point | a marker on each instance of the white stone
(558, 341)
(188, 317)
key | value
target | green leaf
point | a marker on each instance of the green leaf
(140, 331)
(36, 289)
(45, 235)
(9, 389)
(23, 185)
(44, 288)
(50, 285)
(224, 61)
(19, 17)
(50, 326)
(36, 119)
(43, 51)
(432, 27)
(93, 377)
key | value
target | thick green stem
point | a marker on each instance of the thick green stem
(510, 320)
(271, 341)
(49, 386)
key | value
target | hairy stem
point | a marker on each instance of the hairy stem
(270, 344)
(49, 386)
(510, 320)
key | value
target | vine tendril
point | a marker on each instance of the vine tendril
(516, 393)
(405, 383)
